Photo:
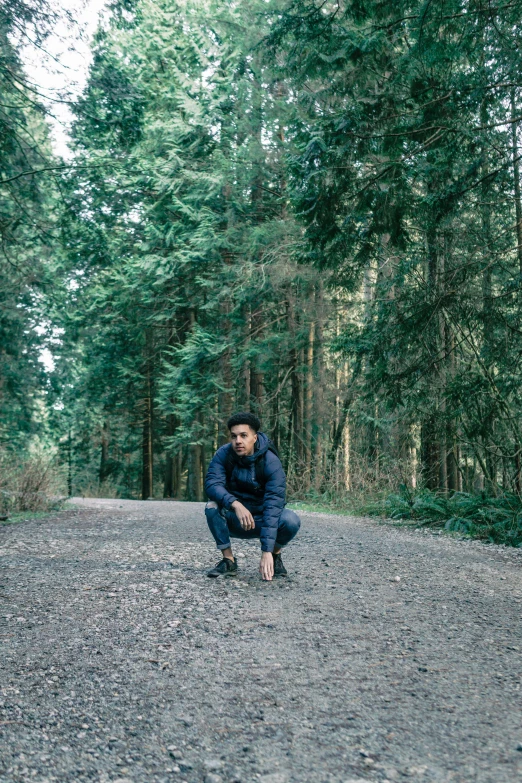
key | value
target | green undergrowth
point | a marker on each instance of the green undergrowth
(480, 516)
(496, 519)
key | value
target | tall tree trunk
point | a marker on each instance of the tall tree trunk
(453, 455)
(487, 300)
(225, 397)
(518, 214)
(309, 401)
(257, 378)
(104, 456)
(320, 435)
(430, 453)
(147, 450)
(433, 447)
(346, 442)
(275, 418)
(195, 473)
(294, 439)
(516, 180)
(245, 393)
(443, 379)
(171, 484)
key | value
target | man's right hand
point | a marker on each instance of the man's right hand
(246, 519)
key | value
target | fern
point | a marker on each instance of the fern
(495, 519)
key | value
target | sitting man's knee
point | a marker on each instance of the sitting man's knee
(290, 519)
(211, 504)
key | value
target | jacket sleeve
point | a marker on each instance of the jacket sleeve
(216, 479)
(274, 501)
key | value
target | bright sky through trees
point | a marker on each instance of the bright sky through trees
(59, 69)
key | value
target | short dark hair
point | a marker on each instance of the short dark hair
(243, 417)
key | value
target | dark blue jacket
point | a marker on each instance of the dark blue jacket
(242, 486)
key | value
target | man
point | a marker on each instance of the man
(246, 487)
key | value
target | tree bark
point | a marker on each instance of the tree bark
(257, 378)
(147, 451)
(309, 401)
(172, 479)
(433, 441)
(195, 473)
(487, 302)
(516, 180)
(430, 454)
(225, 397)
(245, 394)
(104, 456)
(294, 440)
(518, 214)
(320, 437)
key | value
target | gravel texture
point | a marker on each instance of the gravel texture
(388, 654)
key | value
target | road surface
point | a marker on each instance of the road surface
(387, 655)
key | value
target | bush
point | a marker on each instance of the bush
(107, 489)
(29, 483)
(496, 519)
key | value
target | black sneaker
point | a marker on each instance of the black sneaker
(225, 567)
(279, 569)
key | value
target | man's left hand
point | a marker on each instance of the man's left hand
(266, 566)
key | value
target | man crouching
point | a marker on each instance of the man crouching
(246, 487)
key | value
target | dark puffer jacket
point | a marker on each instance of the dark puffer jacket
(243, 484)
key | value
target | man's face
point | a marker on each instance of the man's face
(243, 438)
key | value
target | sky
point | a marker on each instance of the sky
(60, 69)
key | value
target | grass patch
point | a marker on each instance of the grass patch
(28, 516)
(322, 508)
(328, 503)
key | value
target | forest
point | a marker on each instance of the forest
(307, 209)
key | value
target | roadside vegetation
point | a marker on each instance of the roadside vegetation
(30, 483)
(494, 519)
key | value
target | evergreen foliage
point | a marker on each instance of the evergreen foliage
(27, 231)
(309, 210)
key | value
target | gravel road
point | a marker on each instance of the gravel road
(388, 654)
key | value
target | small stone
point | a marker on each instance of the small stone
(213, 764)
(211, 778)
(395, 579)
(275, 777)
(519, 746)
